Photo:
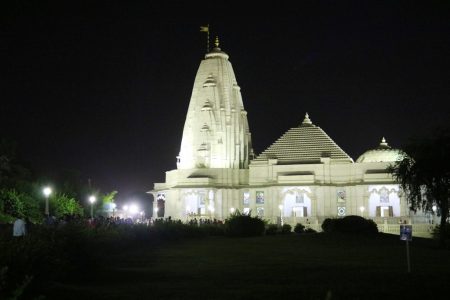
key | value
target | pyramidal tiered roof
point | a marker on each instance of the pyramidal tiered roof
(306, 143)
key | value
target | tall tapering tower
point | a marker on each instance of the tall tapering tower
(216, 132)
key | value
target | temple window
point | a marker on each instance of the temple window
(260, 211)
(259, 197)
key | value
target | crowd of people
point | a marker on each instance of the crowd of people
(22, 226)
(201, 221)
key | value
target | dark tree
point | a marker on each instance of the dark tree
(424, 174)
(13, 172)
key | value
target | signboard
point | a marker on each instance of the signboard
(406, 232)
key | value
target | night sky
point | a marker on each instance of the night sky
(104, 88)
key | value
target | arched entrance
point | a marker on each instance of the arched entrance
(161, 205)
(296, 202)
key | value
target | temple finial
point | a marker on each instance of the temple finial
(216, 42)
(383, 144)
(307, 120)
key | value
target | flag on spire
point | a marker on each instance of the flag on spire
(206, 29)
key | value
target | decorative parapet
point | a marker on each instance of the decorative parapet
(196, 181)
(378, 177)
(300, 179)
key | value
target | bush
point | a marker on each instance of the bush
(39, 256)
(14, 203)
(350, 224)
(271, 229)
(173, 230)
(299, 228)
(286, 228)
(437, 231)
(243, 225)
(212, 229)
(328, 225)
(310, 230)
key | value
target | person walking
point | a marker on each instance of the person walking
(19, 229)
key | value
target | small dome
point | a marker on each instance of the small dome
(383, 153)
(216, 51)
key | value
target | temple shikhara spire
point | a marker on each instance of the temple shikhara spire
(216, 132)
(302, 177)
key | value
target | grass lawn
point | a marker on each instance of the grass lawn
(316, 266)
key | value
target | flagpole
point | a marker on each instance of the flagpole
(206, 29)
(207, 42)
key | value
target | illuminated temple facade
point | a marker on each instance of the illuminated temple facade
(303, 177)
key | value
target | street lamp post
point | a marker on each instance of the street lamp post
(47, 191)
(125, 209)
(113, 205)
(92, 200)
(434, 208)
(281, 214)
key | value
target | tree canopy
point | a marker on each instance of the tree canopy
(424, 174)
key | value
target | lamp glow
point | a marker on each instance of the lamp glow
(92, 200)
(281, 214)
(47, 191)
(232, 210)
(113, 207)
(133, 208)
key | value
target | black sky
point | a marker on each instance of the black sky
(103, 87)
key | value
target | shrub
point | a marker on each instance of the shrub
(328, 225)
(172, 230)
(62, 204)
(437, 231)
(350, 224)
(212, 229)
(14, 203)
(310, 230)
(39, 255)
(286, 228)
(243, 225)
(299, 228)
(271, 229)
